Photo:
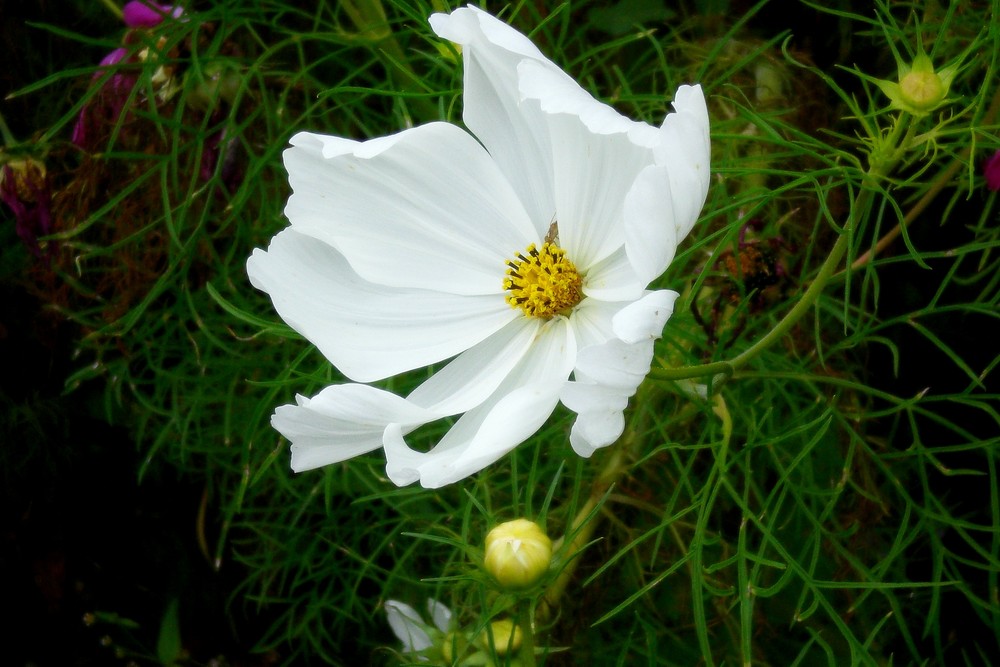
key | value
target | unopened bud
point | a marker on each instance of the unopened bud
(920, 89)
(454, 645)
(506, 637)
(517, 553)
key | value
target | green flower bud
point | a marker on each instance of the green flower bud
(454, 645)
(517, 553)
(920, 89)
(214, 82)
(506, 637)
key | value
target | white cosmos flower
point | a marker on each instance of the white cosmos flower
(409, 626)
(399, 247)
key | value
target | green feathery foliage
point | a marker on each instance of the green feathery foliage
(821, 490)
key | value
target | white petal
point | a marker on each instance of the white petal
(600, 417)
(407, 625)
(426, 208)
(606, 376)
(344, 421)
(440, 613)
(616, 364)
(593, 430)
(517, 409)
(644, 319)
(593, 173)
(513, 133)
(614, 279)
(650, 228)
(558, 93)
(597, 155)
(475, 374)
(341, 422)
(369, 332)
(685, 150)
(482, 436)
(591, 322)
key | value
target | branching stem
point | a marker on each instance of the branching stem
(893, 148)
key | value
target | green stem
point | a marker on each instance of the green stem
(583, 530)
(723, 370)
(113, 8)
(5, 133)
(370, 19)
(937, 185)
(527, 653)
(711, 490)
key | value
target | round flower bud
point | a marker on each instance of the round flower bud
(454, 645)
(517, 553)
(506, 637)
(922, 89)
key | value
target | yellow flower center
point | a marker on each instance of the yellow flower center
(542, 282)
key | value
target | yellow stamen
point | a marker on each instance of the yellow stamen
(542, 282)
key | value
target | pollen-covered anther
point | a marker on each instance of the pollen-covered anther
(542, 282)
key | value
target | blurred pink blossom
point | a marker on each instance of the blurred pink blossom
(24, 188)
(991, 170)
(137, 14)
(107, 103)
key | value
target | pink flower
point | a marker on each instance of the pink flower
(137, 14)
(220, 147)
(991, 170)
(111, 98)
(108, 103)
(24, 188)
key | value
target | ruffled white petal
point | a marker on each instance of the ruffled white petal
(606, 376)
(615, 364)
(426, 208)
(591, 321)
(558, 93)
(512, 133)
(685, 151)
(474, 375)
(408, 626)
(667, 197)
(368, 331)
(482, 435)
(600, 415)
(644, 319)
(593, 173)
(341, 422)
(650, 227)
(344, 421)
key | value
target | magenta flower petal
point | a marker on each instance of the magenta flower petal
(112, 58)
(991, 170)
(138, 14)
(107, 103)
(79, 137)
(26, 193)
